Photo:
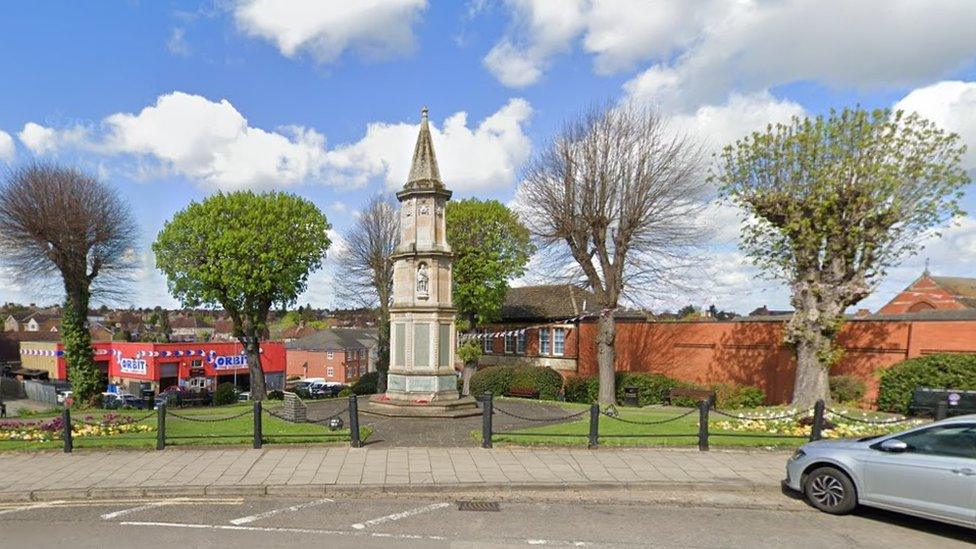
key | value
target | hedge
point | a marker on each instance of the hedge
(941, 371)
(651, 389)
(366, 384)
(502, 379)
(847, 388)
(225, 394)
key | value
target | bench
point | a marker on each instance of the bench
(522, 392)
(687, 392)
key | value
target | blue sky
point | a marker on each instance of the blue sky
(169, 101)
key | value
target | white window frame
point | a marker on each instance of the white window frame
(488, 343)
(545, 347)
(556, 351)
(330, 372)
(509, 344)
(520, 343)
(329, 355)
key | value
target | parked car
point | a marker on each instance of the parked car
(325, 389)
(927, 471)
(122, 400)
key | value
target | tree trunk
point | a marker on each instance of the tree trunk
(86, 382)
(812, 381)
(606, 357)
(382, 352)
(252, 348)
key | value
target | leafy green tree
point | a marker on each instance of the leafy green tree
(491, 247)
(837, 200)
(245, 252)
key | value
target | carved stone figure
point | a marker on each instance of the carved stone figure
(423, 281)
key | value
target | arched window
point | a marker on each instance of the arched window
(921, 306)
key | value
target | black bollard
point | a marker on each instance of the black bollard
(486, 411)
(257, 425)
(354, 422)
(66, 430)
(703, 425)
(594, 425)
(161, 426)
(816, 431)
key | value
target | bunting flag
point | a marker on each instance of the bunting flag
(520, 331)
(41, 352)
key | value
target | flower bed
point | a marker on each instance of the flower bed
(835, 426)
(90, 426)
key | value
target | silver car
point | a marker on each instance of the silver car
(928, 471)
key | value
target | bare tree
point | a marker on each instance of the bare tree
(615, 198)
(56, 220)
(365, 272)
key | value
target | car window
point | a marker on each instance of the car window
(954, 440)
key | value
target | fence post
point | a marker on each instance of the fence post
(486, 411)
(161, 426)
(354, 422)
(941, 410)
(818, 420)
(703, 425)
(66, 430)
(258, 435)
(594, 425)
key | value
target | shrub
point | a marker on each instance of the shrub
(226, 393)
(847, 388)
(496, 379)
(366, 385)
(345, 392)
(276, 395)
(733, 396)
(650, 387)
(582, 389)
(942, 371)
(502, 379)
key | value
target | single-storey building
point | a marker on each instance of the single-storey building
(162, 365)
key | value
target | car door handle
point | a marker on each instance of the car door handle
(964, 471)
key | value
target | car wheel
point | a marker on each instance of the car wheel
(831, 491)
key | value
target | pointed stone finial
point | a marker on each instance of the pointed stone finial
(926, 271)
(424, 171)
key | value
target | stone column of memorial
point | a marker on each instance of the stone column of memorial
(422, 333)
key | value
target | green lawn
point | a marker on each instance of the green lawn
(182, 432)
(613, 432)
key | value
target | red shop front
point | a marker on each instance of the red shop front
(193, 366)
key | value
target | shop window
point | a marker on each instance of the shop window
(196, 363)
(544, 338)
(559, 341)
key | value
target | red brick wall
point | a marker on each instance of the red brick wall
(752, 353)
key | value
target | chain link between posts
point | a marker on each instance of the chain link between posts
(868, 421)
(656, 422)
(207, 420)
(763, 418)
(541, 420)
(325, 421)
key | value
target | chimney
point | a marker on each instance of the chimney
(862, 313)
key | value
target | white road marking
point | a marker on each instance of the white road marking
(251, 518)
(41, 505)
(398, 516)
(278, 530)
(121, 502)
(168, 502)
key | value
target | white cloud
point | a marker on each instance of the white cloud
(210, 142)
(720, 125)
(486, 156)
(375, 28)
(338, 207)
(749, 46)
(7, 149)
(176, 44)
(951, 105)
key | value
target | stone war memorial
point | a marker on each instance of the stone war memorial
(422, 381)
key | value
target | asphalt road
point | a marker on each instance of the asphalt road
(431, 522)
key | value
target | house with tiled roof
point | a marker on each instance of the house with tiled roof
(934, 293)
(334, 354)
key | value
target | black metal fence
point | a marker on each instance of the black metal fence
(703, 435)
(256, 434)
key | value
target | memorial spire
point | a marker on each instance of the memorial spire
(423, 171)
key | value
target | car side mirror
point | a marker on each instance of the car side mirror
(893, 445)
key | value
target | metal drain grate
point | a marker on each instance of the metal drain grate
(478, 506)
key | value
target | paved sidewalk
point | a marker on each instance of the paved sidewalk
(316, 470)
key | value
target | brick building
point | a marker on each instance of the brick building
(928, 293)
(334, 354)
(162, 365)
